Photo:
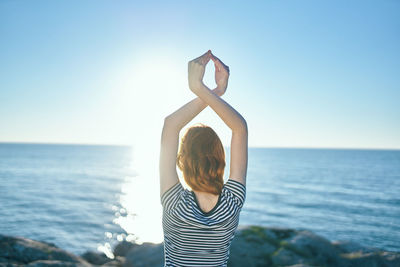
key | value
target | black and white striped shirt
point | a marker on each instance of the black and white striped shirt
(193, 237)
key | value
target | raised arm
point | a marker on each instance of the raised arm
(232, 118)
(173, 124)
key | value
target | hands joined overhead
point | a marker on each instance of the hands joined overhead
(196, 70)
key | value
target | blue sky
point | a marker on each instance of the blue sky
(303, 73)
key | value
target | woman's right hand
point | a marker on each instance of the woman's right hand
(196, 69)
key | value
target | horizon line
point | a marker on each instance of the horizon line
(266, 147)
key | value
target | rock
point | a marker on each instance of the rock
(280, 233)
(53, 263)
(117, 262)
(372, 259)
(316, 249)
(351, 247)
(95, 258)
(5, 263)
(147, 254)
(122, 248)
(284, 257)
(300, 265)
(112, 264)
(364, 259)
(8, 262)
(271, 234)
(251, 247)
(391, 259)
(24, 250)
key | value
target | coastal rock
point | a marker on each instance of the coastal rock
(316, 248)
(277, 233)
(252, 246)
(8, 263)
(286, 257)
(262, 246)
(391, 259)
(53, 263)
(118, 261)
(300, 265)
(365, 260)
(99, 258)
(372, 259)
(352, 247)
(24, 251)
(95, 258)
(123, 247)
(145, 255)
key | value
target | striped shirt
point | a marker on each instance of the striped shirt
(196, 238)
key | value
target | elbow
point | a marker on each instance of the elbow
(167, 120)
(241, 126)
(169, 124)
(244, 126)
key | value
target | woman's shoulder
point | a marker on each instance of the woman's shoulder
(235, 185)
(235, 189)
(172, 194)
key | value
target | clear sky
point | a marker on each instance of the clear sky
(303, 73)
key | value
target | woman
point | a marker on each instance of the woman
(199, 225)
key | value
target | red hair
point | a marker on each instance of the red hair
(201, 158)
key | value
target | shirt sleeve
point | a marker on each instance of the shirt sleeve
(171, 196)
(238, 191)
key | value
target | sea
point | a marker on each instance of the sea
(89, 197)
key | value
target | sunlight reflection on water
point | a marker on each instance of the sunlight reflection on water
(139, 212)
(140, 198)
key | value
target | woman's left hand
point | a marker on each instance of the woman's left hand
(221, 75)
(196, 69)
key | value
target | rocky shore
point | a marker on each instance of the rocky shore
(252, 246)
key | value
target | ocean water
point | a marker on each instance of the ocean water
(83, 197)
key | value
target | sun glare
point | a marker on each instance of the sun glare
(152, 88)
